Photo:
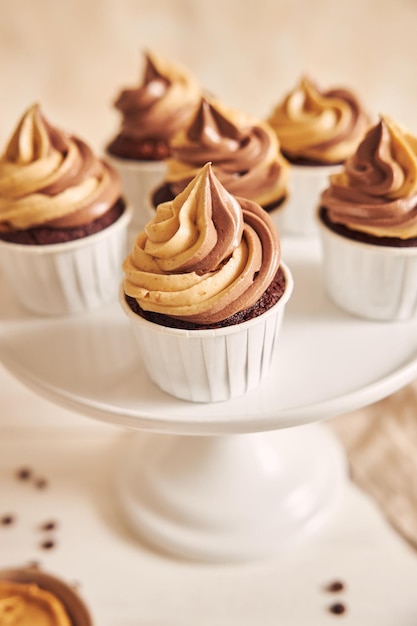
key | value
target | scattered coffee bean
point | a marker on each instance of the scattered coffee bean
(41, 483)
(335, 586)
(48, 544)
(49, 526)
(24, 473)
(337, 609)
(7, 520)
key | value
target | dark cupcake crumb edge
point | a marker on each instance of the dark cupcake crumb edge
(356, 235)
(43, 235)
(270, 297)
(146, 149)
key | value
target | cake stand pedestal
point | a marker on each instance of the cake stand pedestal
(227, 481)
(230, 497)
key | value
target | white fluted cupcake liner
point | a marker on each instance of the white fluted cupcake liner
(71, 277)
(369, 281)
(210, 365)
(139, 179)
(305, 185)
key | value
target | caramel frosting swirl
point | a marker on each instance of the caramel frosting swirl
(376, 193)
(204, 256)
(244, 152)
(28, 605)
(322, 126)
(161, 104)
(53, 179)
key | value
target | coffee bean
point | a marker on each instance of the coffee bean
(337, 609)
(49, 526)
(24, 473)
(41, 483)
(335, 586)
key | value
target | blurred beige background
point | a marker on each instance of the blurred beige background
(73, 56)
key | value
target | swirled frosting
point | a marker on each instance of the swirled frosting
(161, 105)
(376, 193)
(321, 126)
(244, 153)
(28, 605)
(204, 256)
(53, 179)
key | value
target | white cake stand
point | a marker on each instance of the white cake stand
(225, 481)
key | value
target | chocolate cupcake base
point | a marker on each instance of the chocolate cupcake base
(43, 235)
(215, 364)
(367, 278)
(265, 302)
(309, 162)
(356, 235)
(148, 149)
(70, 277)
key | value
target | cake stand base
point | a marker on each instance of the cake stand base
(234, 497)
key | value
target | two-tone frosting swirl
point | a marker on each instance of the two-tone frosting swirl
(161, 105)
(49, 178)
(376, 193)
(27, 604)
(204, 256)
(321, 126)
(244, 153)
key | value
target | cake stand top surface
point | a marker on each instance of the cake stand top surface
(326, 363)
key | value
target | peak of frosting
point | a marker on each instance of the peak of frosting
(204, 256)
(206, 210)
(210, 126)
(51, 178)
(154, 69)
(243, 150)
(376, 193)
(161, 104)
(32, 138)
(321, 125)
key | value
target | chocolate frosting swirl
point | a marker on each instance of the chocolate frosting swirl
(53, 179)
(322, 126)
(205, 255)
(161, 105)
(244, 152)
(376, 193)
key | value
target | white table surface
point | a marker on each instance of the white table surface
(127, 584)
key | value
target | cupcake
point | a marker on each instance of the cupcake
(368, 225)
(205, 290)
(30, 597)
(244, 153)
(63, 222)
(318, 130)
(151, 114)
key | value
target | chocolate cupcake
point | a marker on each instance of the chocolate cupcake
(29, 596)
(318, 129)
(151, 114)
(244, 153)
(63, 221)
(205, 290)
(368, 226)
